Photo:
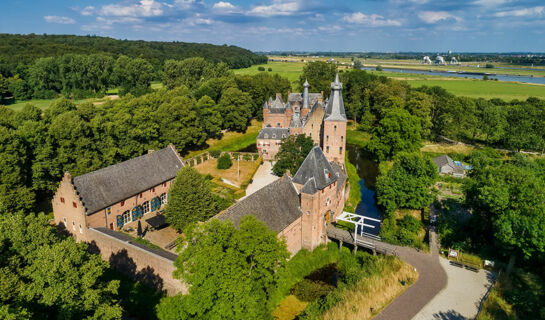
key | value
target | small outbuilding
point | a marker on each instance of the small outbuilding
(445, 165)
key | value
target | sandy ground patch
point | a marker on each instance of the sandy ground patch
(231, 174)
(462, 296)
(262, 177)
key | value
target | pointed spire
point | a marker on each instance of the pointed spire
(306, 102)
(335, 105)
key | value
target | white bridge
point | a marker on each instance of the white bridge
(358, 220)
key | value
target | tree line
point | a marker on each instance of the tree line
(36, 147)
(18, 49)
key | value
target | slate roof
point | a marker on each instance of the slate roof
(104, 187)
(446, 160)
(270, 131)
(277, 205)
(335, 105)
(339, 172)
(278, 103)
(315, 173)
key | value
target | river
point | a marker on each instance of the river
(500, 77)
(367, 171)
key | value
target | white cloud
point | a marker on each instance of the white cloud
(436, 16)
(490, 3)
(373, 20)
(277, 8)
(535, 11)
(144, 8)
(333, 28)
(223, 5)
(88, 11)
(59, 19)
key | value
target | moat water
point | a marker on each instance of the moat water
(367, 171)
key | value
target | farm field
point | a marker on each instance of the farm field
(290, 70)
(40, 103)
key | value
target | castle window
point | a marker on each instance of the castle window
(164, 198)
(326, 138)
(108, 211)
(341, 138)
(64, 220)
(334, 128)
(62, 200)
(165, 184)
(340, 150)
(145, 207)
(327, 149)
(274, 136)
(278, 124)
(73, 226)
(122, 202)
(80, 229)
(126, 217)
(283, 135)
(312, 126)
(308, 213)
(311, 134)
(266, 136)
(153, 189)
(140, 195)
(328, 201)
(75, 204)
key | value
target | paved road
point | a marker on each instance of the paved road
(261, 178)
(432, 279)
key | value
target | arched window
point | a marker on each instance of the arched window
(164, 198)
(126, 217)
(334, 128)
(340, 150)
(80, 229)
(327, 149)
(145, 207)
(73, 226)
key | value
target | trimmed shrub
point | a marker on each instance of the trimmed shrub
(247, 157)
(215, 153)
(270, 69)
(235, 155)
(260, 68)
(224, 162)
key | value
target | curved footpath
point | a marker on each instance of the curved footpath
(432, 279)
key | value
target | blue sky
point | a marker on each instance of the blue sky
(301, 25)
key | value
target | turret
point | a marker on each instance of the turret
(334, 138)
(306, 102)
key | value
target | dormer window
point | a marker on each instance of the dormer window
(283, 135)
(274, 136)
(266, 136)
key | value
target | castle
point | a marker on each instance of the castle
(96, 206)
(306, 113)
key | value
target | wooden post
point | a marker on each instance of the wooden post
(355, 248)
(374, 251)
(340, 245)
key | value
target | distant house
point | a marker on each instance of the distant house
(446, 165)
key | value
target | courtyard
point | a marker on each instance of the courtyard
(236, 175)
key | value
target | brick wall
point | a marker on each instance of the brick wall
(268, 148)
(292, 235)
(334, 140)
(142, 265)
(313, 125)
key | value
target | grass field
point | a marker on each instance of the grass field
(41, 103)
(231, 141)
(247, 169)
(290, 70)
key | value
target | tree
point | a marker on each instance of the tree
(509, 201)
(236, 108)
(230, 272)
(319, 75)
(224, 162)
(189, 199)
(357, 65)
(209, 115)
(292, 153)
(191, 72)
(399, 131)
(132, 75)
(407, 185)
(46, 276)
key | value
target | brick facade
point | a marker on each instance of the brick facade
(334, 140)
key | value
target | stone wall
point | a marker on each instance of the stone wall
(141, 264)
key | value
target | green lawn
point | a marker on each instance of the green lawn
(290, 70)
(486, 89)
(231, 141)
(40, 103)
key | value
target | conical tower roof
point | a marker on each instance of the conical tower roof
(335, 105)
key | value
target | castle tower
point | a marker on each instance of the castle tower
(305, 109)
(334, 137)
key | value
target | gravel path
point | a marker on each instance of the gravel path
(432, 279)
(261, 178)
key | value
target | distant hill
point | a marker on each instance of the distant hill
(17, 48)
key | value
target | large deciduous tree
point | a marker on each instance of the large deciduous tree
(398, 131)
(236, 108)
(319, 75)
(292, 153)
(46, 276)
(190, 199)
(408, 184)
(231, 272)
